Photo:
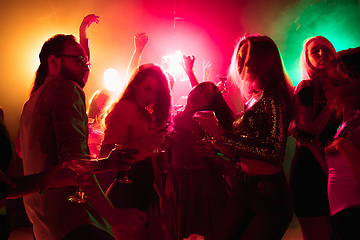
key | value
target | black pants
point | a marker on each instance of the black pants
(346, 224)
(88, 232)
(4, 227)
(260, 209)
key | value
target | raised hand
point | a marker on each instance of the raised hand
(85, 24)
(140, 41)
(87, 21)
(188, 63)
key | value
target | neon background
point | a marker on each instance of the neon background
(207, 29)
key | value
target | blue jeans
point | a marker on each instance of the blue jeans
(261, 208)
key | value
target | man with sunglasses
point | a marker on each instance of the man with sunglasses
(54, 124)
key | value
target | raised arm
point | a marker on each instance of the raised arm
(188, 68)
(140, 41)
(85, 24)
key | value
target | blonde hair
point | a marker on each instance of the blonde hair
(308, 71)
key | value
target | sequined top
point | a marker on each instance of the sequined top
(262, 129)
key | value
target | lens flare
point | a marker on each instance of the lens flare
(112, 80)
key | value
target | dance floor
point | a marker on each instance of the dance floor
(293, 233)
(25, 234)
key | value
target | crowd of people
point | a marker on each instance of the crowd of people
(149, 170)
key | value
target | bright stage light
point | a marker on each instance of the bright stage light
(111, 79)
(174, 65)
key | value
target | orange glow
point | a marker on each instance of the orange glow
(112, 80)
(205, 29)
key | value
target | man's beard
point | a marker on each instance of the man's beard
(70, 75)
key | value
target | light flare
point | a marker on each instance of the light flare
(112, 80)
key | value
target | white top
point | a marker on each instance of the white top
(125, 122)
(343, 185)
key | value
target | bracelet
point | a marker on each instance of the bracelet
(40, 191)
